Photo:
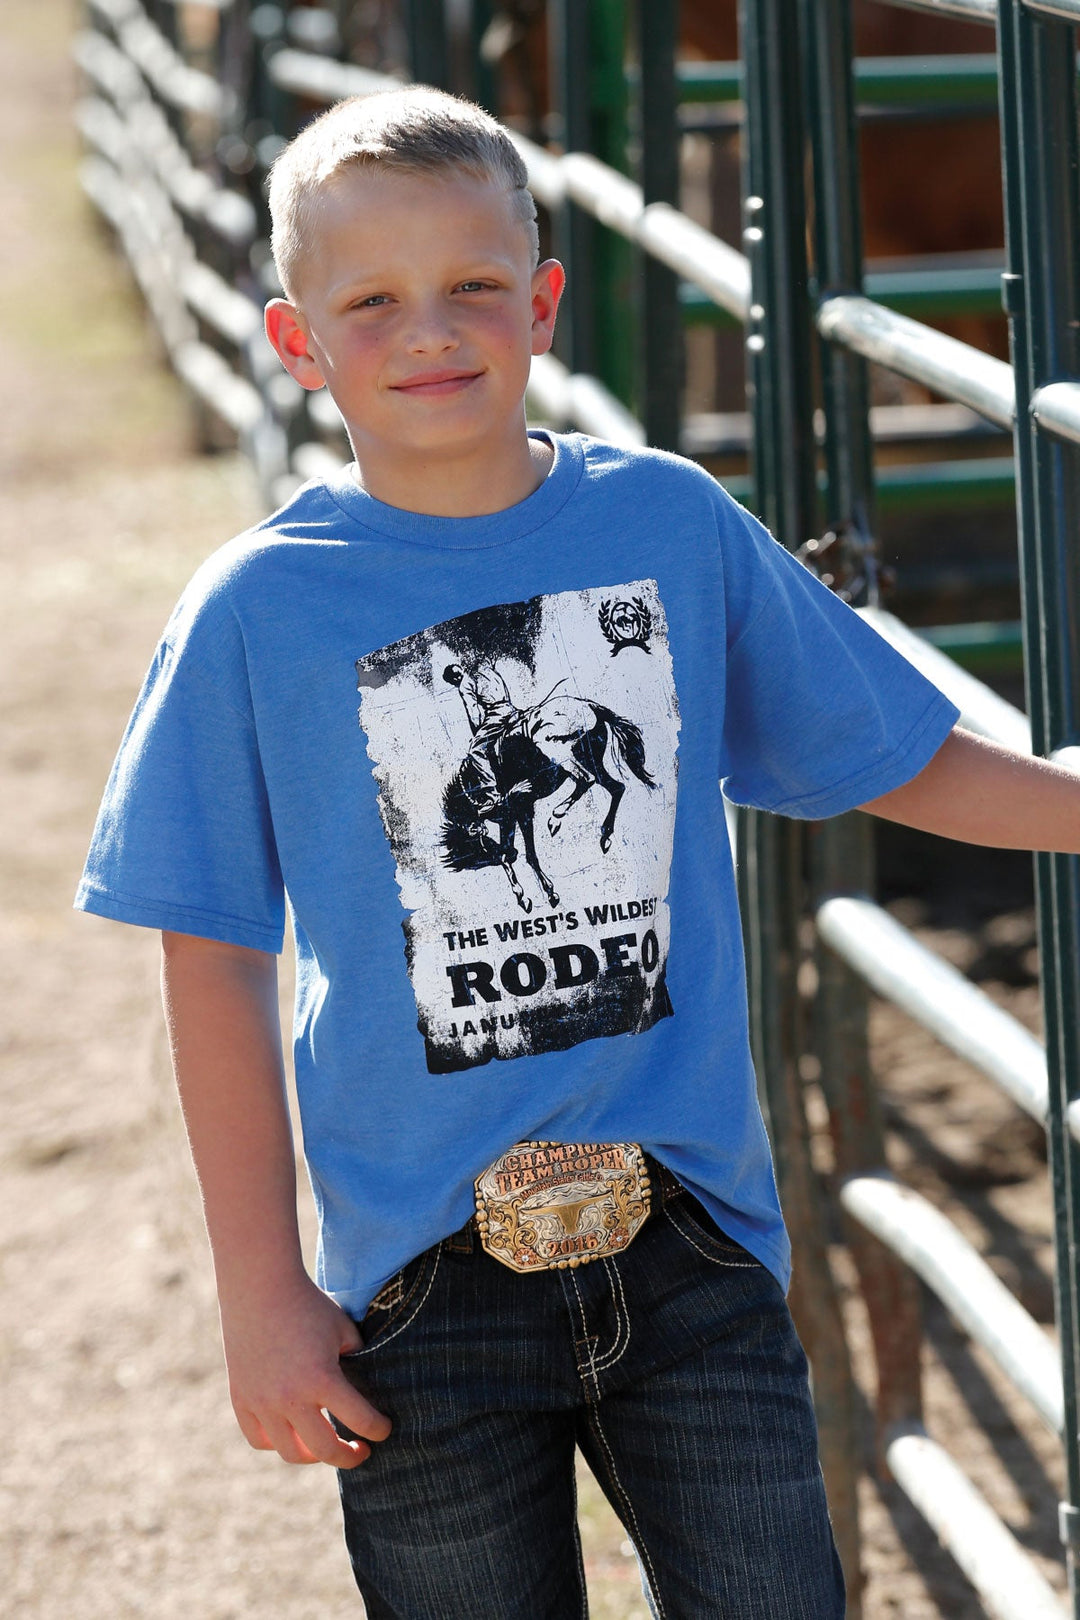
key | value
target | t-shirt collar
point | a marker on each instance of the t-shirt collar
(492, 529)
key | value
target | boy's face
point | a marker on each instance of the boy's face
(419, 309)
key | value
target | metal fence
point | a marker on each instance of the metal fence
(178, 137)
(789, 43)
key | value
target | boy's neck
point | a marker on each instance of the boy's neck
(455, 486)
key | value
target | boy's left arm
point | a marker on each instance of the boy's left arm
(983, 793)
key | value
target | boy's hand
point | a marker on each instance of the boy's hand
(283, 1336)
(284, 1377)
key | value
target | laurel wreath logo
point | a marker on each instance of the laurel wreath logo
(626, 624)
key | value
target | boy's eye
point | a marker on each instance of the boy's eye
(372, 301)
(475, 286)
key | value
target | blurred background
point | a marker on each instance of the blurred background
(146, 421)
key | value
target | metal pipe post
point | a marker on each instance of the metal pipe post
(572, 229)
(429, 54)
(659, 316)
(1042, 297)
(485, 86)
(849, 456)
(779, 378)
(842, 849)
(613, 259)
(778, 332)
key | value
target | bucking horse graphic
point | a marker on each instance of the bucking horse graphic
(520, 756)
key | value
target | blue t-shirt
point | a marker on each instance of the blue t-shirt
(478, 759)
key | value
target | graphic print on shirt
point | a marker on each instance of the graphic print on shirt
(526, 761)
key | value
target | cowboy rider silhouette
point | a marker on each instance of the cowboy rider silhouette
(492, 714)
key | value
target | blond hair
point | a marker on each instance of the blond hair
(415, 129)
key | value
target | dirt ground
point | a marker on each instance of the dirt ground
(125, 1489)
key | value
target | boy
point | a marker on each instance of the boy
(547, 1214)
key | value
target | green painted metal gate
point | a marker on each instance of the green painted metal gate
(799, 92)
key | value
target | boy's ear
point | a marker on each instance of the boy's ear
(287, 335)
(548, 281)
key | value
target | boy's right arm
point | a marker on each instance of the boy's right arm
(282, 1334)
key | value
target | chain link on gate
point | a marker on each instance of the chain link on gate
(845, 558)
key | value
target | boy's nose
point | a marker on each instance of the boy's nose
(432, 332)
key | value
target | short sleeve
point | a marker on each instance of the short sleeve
(184, 839)
(821, 714)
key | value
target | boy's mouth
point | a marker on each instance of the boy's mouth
(437, 382)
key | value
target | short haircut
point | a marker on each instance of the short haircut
(415, 130)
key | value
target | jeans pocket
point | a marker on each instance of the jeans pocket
(696, 1227)
(397, 1304)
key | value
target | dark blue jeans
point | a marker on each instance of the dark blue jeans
(674, 1367)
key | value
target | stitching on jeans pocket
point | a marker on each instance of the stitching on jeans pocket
(389, 1295)
(713, 1245)
(410, 1310)
(393, 1301)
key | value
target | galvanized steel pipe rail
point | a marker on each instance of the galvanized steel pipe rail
(937, 996)
(999, 1569)
(142, 180)
(1055, 407)
(917, 351)
(180, 86)
(206, 372)
(986, 11)
(935, 1248)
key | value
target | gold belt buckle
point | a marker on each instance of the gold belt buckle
(555, 1204)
